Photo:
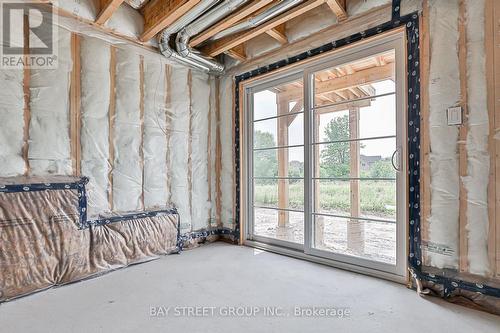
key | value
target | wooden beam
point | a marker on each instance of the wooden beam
(141, 117)
(338, 8)
(229, 21)
(283, 184)
(363, 77)
(108, 7)
(229, 42)
(278, 33)
(75, 105)
(159, 14)
(355, 227)
(27, 95)
(111, 122)
(238, 52)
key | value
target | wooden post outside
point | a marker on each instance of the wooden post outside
(319, 221)
(355, 228)
(283, 184)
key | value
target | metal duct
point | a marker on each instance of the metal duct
(208, 19)
(258, 19)
(136, 4)
(164, 39)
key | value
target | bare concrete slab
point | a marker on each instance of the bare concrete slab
(224, 288)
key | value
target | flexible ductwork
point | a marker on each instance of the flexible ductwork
(208, 19)
(258, 19)
(164, 40)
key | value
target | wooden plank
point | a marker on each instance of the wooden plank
(141, 117)
(238, 52)
(75, 105)
(218, 156)
(338, 8)
(462, 149)
(319, 221)
(27, 96)
(190, 141)
(159, 14)
(493, 50)
(108, 7)
(283, 184)
(355, 228)
(229, 42)
(363, 77)
(168, 124)
(111, 120)
(209, 150)
(425, 178)
(278, 33)
(229, 21)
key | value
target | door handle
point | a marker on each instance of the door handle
(398, 168)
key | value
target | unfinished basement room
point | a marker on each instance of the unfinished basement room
(264, 166)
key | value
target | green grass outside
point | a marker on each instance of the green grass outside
(377, 197)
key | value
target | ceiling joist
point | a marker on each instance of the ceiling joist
(278, 33)
(108, 7)
(159, 14)
(238, 53)
(230, 42)
(338, 8)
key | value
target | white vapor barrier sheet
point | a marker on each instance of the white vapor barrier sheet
(155, 135)
(444, 92)
(200, 109)
(126, 21)
(127, 139)
(226, 133)
(95, 98)
(178, 111)
(478, 158)
(49, 145)
(11, 122)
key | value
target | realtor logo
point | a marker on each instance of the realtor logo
(29, 35)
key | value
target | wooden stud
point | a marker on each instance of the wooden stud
(492, 40)
(462, 149)
(355, 227)
(218, 156)
(111, 120)
(425, 178)
(229, 42)
(75, 105)
(283, 184)
(27, 96)
(108, 7)
(141, 117)
(278, 33)
(168, 104)
(159, 14)
(338, 8)
(209, 151)
(229, 21)
(190, 141)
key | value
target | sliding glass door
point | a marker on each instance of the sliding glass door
(325, 168)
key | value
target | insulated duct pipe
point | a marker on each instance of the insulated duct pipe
(184, 20)
(258, 19)
(208, 19)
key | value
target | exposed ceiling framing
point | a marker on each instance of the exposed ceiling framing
(159, 14)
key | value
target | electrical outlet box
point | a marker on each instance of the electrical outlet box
(454, 116)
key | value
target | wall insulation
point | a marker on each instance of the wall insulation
(95, 98)
(178, 111)
(49, 145)
(199, 122)
(11, 122)
(444, 92)
(127, 134)
(156, 190)
(478, 158)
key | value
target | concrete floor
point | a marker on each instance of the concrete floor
(225, 278)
